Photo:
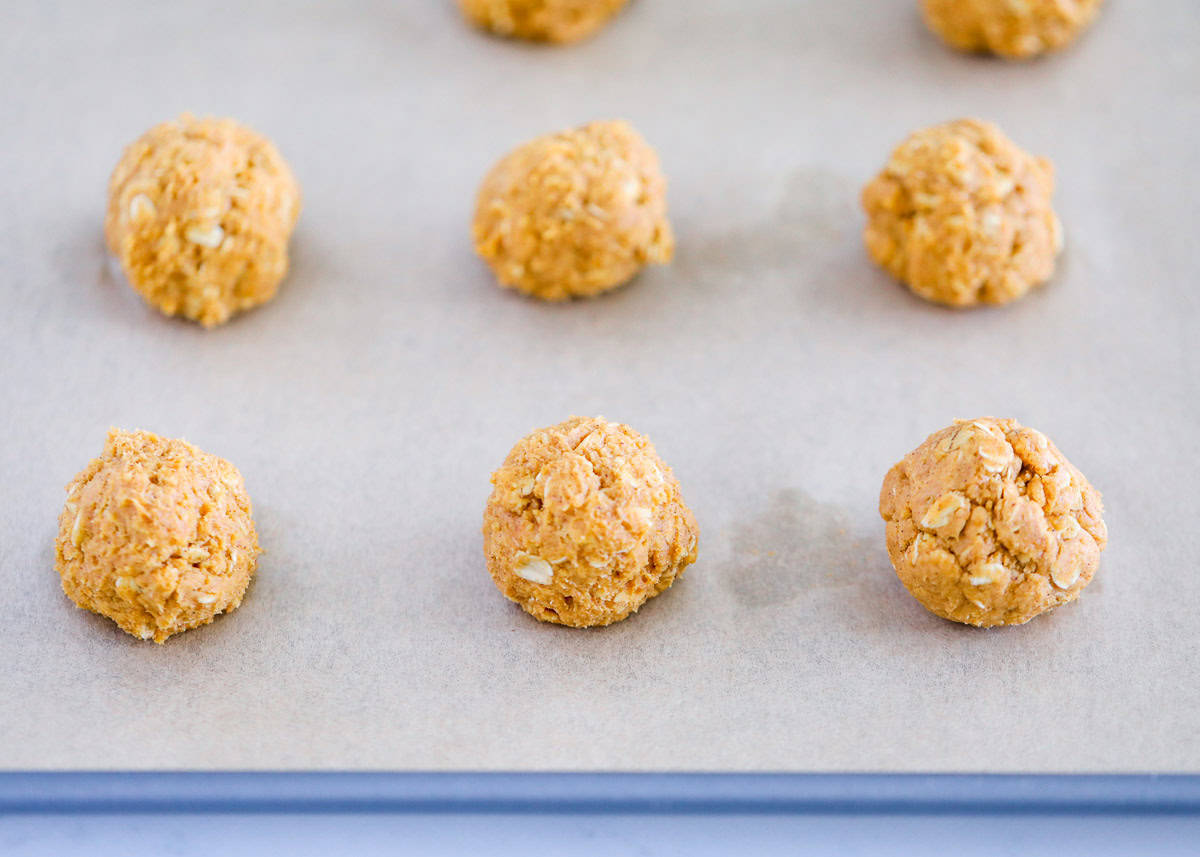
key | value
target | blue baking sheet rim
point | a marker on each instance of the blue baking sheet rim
(591, 793)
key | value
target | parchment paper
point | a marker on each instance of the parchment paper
(775, 368)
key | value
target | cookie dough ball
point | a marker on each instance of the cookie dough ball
(574, 214)
(156, 535)
(988, 523)
(963, 216)
(1016, 29)
(586, 523)
(199, 216)
(559, 21)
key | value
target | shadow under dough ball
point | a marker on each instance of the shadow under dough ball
(200, 212)
(557, 21)
(574, 214)
(585, 523)
(156, 535)
(988, 523)
(1015, 29)
(963, 216)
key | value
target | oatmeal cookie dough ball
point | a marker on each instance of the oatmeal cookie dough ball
(1016, 29)
(988, 523)
(585, 523)
(199, 215)
(574, 214)
(156, 535)
(558, 21)
(963, 216)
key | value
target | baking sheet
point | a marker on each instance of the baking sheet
(776, 370)
(505, 814)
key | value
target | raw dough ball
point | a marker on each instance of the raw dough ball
(574, 214)
(963, 216)
(199, 216)
(988, 524)
(156, 535)
(559, 21)
(586, 523)
(1016, 29)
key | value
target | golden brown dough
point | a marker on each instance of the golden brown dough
(199, 215)
(156, 535)
(585, 523)
(988, 523)
(558, 21)
(1016, 29)
(574, 214)
(963, 216)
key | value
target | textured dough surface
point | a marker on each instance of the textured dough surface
(988, 523)
(199, 216)
(156, 535)
(1016, 29)
(963, 216)
(574, 214)
(559, 21)
(585, 523)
